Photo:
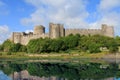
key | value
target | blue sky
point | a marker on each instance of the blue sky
(23, 15)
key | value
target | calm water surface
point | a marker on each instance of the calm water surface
(59, 70)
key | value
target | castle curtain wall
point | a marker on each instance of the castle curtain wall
(83, 31)
(56, 31)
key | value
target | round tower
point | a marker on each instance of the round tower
(39, 29)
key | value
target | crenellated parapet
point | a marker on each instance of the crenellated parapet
(82, 31)
(105, 30)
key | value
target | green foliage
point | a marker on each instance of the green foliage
(56, 45)
(33, 46)
(95, 42)
(94, 48)
(117, 40)
(53, 45)
(71, 41)
(92, 44)
(112, 45)
(16, 47)
(23, 48)
(1, 48)
(7, 46)
(9, 53)
(44, 45)
(38, 45)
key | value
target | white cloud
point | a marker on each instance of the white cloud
(109, 4)
(61, 11)
(112, 19)
(73, 13)
(108, 15)
(4, 33)
(27, 31)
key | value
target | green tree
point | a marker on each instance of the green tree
(71, 41)
(112, 46)
(1, 48)
(44, 45)
(56, 45)
(16, 47)
(7, 45)
(118, 40)
(23, 48)
(33, 46)
(94, 48)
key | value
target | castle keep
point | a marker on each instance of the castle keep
(56, 31)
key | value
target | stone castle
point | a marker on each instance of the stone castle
(58, 30)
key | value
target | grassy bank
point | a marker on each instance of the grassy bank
(57, 56)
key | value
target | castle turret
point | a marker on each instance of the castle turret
(39, 29)
(56, 30)
(107, 30)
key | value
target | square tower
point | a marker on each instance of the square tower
(56, 30)
(107, 30)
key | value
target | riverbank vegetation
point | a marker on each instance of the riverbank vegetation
(75, 43)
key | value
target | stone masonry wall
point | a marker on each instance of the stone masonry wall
(56, 31)
(83, 31)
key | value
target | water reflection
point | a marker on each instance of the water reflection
(24, 75)
(4, 76)
(61, 71)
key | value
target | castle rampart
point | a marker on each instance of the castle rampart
(56, 31)
(83, 31)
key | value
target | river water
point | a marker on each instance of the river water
(59, 70)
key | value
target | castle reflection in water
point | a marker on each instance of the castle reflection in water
(24, 75)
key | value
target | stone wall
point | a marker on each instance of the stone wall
(83, 31)
(105, 30)
(56, 31)
(27, 38)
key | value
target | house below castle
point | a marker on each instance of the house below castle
(58, 30)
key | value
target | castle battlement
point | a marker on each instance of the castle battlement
(83, 29)
(58, 30)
